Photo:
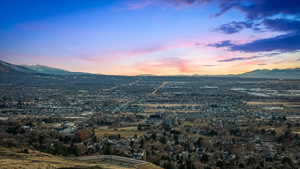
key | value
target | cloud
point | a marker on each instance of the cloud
(286, 25)
(165, 65)
(273, 54)
(239, 59)
(270, 14)
(259, 9)
(234, 27)
(253, 9)
(112, 56)
(266, 10)
(284, 43)
(209, 65)
(226, 43)
(288, 42)
(263, 55)
(262, 13)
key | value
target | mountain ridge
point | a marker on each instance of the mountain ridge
(12, 68)
(8, 68)
(291, 73)
(52, 70)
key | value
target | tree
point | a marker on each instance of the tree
(163, 140)
(107, 149)
(169, 165)
(220, 163)
(204, 158)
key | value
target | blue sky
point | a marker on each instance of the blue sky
(147, 36)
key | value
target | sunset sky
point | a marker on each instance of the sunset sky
(162, 37)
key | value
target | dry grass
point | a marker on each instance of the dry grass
(14, 159)
(272, 103)
(125, 132)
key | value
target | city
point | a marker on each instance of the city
(172, 121)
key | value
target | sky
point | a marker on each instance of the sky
(160, 37)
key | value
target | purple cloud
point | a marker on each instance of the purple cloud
(284, 43)
(282, 25)
(226, 43)
(234, 27)
(259, 9)
(255, 10)
(239, 59)
(209, 65)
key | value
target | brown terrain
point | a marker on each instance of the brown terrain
(29, 159)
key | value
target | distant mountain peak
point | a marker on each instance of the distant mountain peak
(47, 70)
(51, 70)
(11, 68)
(293, 73)
(35, 69)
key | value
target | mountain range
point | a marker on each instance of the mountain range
(51, 70)
(12, 69)
(274, 73)
(34, 69)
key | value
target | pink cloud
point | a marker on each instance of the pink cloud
(198, 43)
(113, 56)
(254, 62)
(171, 65)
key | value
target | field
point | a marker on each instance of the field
(125, 132)
(271, 103)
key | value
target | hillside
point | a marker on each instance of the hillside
(43, 75)
(274, 73)
(51, 70)
(14, 158)
(11, 68)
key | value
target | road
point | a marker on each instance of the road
(163, 84)
(124, 105)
